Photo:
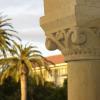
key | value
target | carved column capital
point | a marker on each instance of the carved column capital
(78, 43)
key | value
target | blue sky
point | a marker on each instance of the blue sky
(25, 16)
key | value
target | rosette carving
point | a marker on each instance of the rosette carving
(78, 36)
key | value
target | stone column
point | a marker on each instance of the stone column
(73, 27)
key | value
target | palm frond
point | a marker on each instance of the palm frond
(24, 60)
(6, 34)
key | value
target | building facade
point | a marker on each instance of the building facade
(58, 71)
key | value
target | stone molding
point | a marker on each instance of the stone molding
(76, 43)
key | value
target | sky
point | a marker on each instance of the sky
(25, 15)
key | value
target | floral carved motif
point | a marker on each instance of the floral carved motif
(76, 41)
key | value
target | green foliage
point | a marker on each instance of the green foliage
(10, 90)
(48, 92)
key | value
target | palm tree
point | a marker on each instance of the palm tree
(23, 63)
(6, 35)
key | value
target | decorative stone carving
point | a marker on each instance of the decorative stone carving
(96, 30)
(78, 37)
(50, 44)
(76, 43)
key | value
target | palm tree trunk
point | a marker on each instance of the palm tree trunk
(23, 87)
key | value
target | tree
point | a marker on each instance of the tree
(23, 63)
(6, 35)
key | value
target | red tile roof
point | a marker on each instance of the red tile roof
(56, 59)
